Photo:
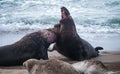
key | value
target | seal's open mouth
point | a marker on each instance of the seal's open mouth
(63, 15)
(64, 12)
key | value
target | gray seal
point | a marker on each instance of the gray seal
(33, 45)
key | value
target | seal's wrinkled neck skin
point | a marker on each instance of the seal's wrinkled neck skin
(50, 36)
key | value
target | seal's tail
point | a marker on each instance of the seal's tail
(98, 48)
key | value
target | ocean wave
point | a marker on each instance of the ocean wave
(90, 16)
(8, 5)
(114, 20)
(29, 21)
(97, 29)
(113, 3)
(20, 28)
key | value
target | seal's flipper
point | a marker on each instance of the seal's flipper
(98, 48)
(51, 47)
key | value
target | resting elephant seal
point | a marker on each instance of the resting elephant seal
(51, 66)
(69, 42)
(33, 45)
(91, 67)
(54, 66)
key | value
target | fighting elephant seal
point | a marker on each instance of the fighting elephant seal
(69, 42)
(33, 45)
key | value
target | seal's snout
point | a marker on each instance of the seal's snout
(63, 15)
(64, 12)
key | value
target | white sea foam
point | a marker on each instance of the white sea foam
(96, 21)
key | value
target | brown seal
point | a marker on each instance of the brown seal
(55, 66)
(51, 66)
(69, 42)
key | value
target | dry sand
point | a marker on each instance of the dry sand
(110, 59)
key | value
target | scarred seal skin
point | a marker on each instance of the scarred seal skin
(69, 42)
(33, 45)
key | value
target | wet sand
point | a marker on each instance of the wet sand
(110, 59)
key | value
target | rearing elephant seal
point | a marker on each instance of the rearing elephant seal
(33, 45)
(69, 42)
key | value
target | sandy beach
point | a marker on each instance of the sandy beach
(110, 59)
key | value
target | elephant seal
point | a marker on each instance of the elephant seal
(51, 66)
(92, 66)
(55, 66)
(33, 45)
(69, 42)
